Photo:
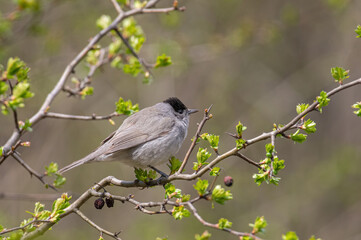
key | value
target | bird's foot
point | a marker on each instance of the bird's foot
(159, 171)
(162, 177)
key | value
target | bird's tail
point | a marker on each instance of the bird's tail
(91, 157)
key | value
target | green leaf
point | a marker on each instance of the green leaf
(39, 207)
(269, 150)
(205, 236)
(100, 238)
(28, 228)
(212, 139)
(104, 21)
(259, 225)
(220, 195)
(358, 31)
(13, 66)
(52, 168)
(260, 177)
(1, 228)
(357, 106)
(180, 212)
(123, 2)
(86, 92)
(144, 175)
(21, 90)
(133, 33)
(4, 110)
(58, 207)
(247, 238)
(171, 191)
(322, 100)
(174, 164)
(92, 56)
(298, 137)
(240, 129)
(214, 172)
(290, 236)
(26, 126)
(301, 108)
(277, 165)
(133, 68)
(59, 180)
(126, 107)
(201, 186)
(117, 63)
(186, 197)
(224, 223)
(32, 5)
(339, 74)
(203, 155)
(163, 61)
(240, 143)
(309, 126)
(136, 41)
(3, 87)
(1, 151)
(114, 47)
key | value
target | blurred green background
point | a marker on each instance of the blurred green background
(254, 60)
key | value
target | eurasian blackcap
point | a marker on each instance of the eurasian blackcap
(146, 138)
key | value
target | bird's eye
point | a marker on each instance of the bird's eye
(180, 111)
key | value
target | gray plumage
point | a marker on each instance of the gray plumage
(148, 137)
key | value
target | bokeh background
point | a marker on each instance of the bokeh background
(254, 60)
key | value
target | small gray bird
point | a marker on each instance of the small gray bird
(147, 138)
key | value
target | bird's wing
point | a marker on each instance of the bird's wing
(135, 131)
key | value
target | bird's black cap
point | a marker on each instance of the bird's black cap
(177, 105)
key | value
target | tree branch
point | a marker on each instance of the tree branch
(164, 10)
(117, 6)
(31, 171)
(250, 161)
(77, 117)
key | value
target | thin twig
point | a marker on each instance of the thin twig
(195, 138)
(215, 226)
(250, 161)
(117, 6)
(164, 10)
(12, 150)
(15, 113)
(78, 117)
(91, 223)
(31, 171)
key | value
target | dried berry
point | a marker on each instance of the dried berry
(99, 203)
(110, 202)
(228, 181)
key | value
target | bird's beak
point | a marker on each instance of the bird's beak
(190, 111)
